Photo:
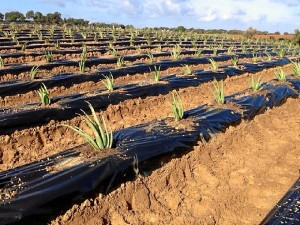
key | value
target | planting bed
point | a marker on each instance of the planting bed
(189, 172)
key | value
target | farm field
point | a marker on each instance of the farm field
(222, 163)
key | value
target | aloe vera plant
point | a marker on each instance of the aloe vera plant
(155, 73)
(213, 64)
(113, 51)
(23, 47)
(149, 41)
(254, 57)
(215, 51)
(120, 62)
(235, 60)
(186, 69)
(269, 56)
(281, 53)
(33, 72)
(151, 57)
(296, 68)
(44, 95)
(109, 82)
(176, 51)
(102, 137)
(218, 92)
(48, 56)
(138, 49)
(255, 84)
(177, 106)
(1, 62)
(198, 52)
(82, 61)
(280, 75)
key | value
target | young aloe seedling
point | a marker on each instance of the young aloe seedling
(296, 68)
(255, 85)
(254, 57)
(33, 72)
(82, 61)
(218, 93)
(186, 69)
(113, 51)
(23, 48)
(230, 49)
(149, 41)
(155, 73)
(102, 137)
(280, 75)
(159, 48)
(57, 44)
(151, 57)
(176, 51)
(120, 62)
(268, 56)
(109, 82)
(235, 60)
(177, 106)
(281, 53)
(48, 56)
(198, 52)
(213, 64)
(44, 95)
(138, 49)
(1, 62)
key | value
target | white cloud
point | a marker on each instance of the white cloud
(59, 3)
(195, 13)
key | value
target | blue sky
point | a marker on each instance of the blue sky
(264, 15)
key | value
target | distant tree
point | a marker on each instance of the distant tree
(1, 16)
(53, 18)
(286, 33)
(14, 16)
(180, 29)
(277, 33)
(250, 32)
(296, 37)
(263, 32)
(76, 21)
(30, 14)
(38, 17)
(235, 32)
(129, 26)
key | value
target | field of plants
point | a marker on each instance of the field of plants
(93, 117)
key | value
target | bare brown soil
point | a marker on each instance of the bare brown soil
(236, 178)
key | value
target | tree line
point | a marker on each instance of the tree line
(50, 18)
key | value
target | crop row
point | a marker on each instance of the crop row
(64, 107)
